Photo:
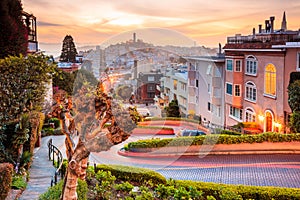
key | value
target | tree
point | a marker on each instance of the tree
(73, 81)
(93, 108)
(294, 95)
(23, 85)
(68, 52)
(173, 109)
(294, 103)
(22, 93)
(13, 40)
(124, 91)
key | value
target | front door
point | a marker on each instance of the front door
(269, 122)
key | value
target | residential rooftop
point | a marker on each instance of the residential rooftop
(264, 38)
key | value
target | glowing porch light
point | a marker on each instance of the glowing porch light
(276, 124)
(261, 117)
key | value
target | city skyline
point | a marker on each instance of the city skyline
(204, 22)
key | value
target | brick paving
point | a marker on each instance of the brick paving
(41, 173)
(262, 170)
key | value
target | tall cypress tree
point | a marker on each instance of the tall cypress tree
(13, 32)
(68, 52)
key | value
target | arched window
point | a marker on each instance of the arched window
(251, 66)
(270, 80)
(250, 91)
(250, 115)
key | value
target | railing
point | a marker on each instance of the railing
(55, 155)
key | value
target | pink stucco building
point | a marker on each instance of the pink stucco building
(257, 74)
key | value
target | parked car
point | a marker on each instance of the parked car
(191, 133)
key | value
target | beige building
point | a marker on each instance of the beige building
(257, 74)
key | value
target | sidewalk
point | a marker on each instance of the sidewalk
(41, 172)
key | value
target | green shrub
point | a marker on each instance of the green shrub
(51, 131)
(6, 171)
(18, 182)
(55, 121)
(125, 187)
(171, 119)
(156, 127)
(164, 191)
(55, 191)
(138, 175)
(229, 132)
(223, 191)
(212, 139)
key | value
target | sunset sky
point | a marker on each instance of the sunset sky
(207, 22)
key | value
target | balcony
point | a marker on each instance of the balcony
(191, 91)
(192, 75)
(216, 101)
(216, 82)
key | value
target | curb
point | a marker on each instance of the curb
(124, 153)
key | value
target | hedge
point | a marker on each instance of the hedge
(171, 119)
(214, 139)
(135, 174)
(169, 187)
(6, 170)
(246, 192)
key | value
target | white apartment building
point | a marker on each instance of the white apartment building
(174, 86)
(205, 89)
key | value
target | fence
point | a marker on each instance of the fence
(55, 155)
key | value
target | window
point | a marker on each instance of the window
(238, 65)
(237, 90)
(251, 65)
(151, 87)
(229, 88)
(197, 83)
(151, 78)
(250, 91)
(208, 88)
(150, 95)
(219, 111)
(229, 65)
(298, 60)
(208, 70)
(236, 113)
(209, 106)
(249, 115)
(175, 84)
(183, 86)
(217, 72)
(270, 80)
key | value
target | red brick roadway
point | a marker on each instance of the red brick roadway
(282, 170)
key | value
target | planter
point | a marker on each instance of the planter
(244, 148)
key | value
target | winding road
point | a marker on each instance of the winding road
(281, 170)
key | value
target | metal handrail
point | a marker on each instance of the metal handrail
(55, 153)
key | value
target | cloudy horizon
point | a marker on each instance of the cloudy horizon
(207, 23)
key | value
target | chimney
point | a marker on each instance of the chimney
(259, 28)
(272, 23)
(266, 26)
(220, 51)
(135, 69)
(134, 37)
(253, 32)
